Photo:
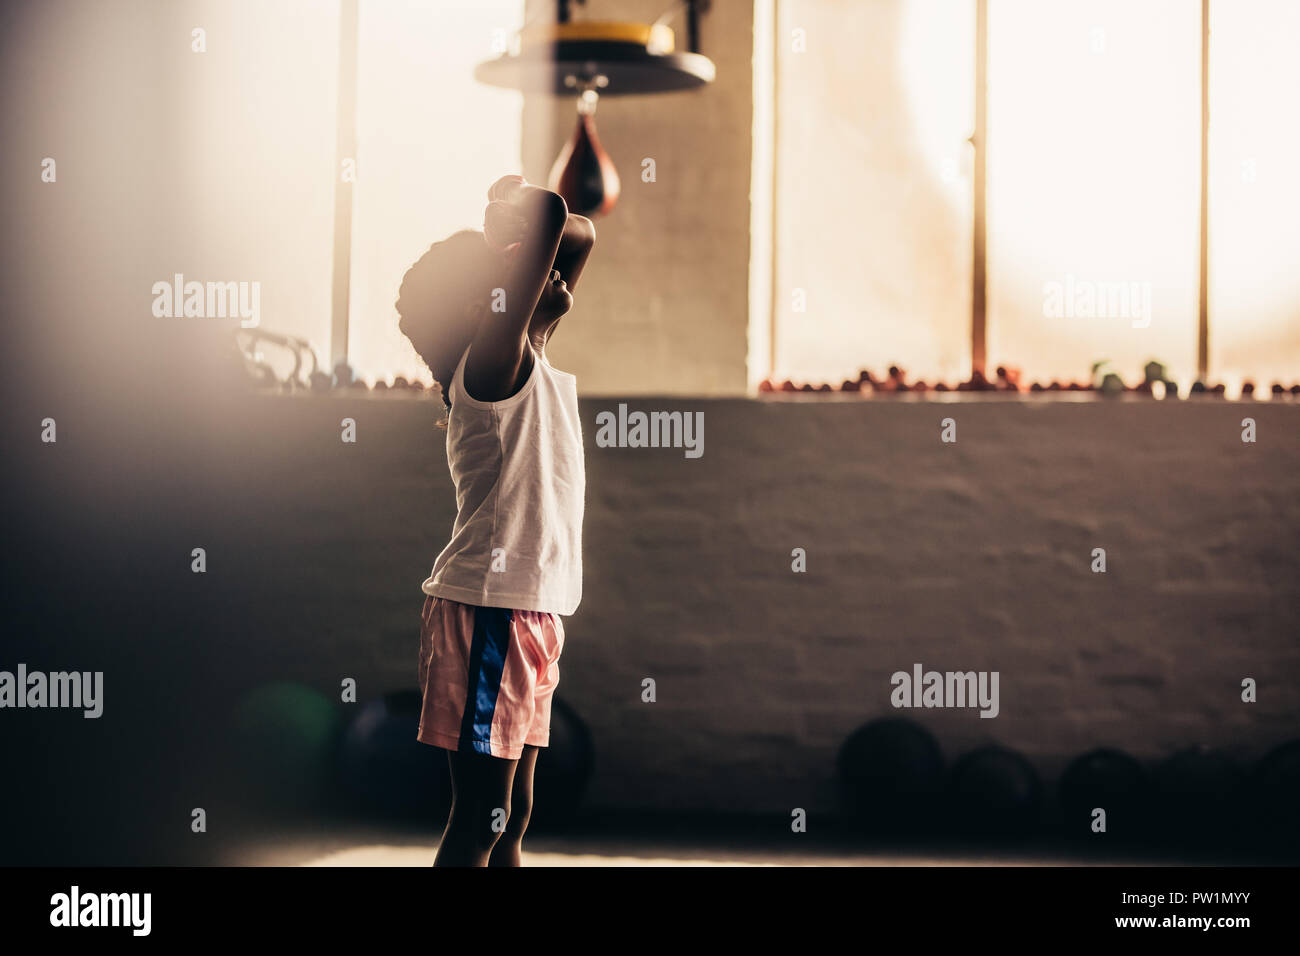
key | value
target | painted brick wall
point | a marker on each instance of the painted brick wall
(967, 556)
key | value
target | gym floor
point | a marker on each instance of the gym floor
(396, 848)
(721, 842)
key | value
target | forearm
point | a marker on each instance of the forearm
(576, 241)
(578, 235)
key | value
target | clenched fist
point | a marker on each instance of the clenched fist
(503, 226)
(505, 188)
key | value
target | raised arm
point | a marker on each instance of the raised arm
(498, 353)
(575, 246)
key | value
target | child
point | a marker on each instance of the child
(479, 308)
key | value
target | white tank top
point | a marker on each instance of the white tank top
(520, 489)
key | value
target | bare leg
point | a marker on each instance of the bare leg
(509, 849)
(480, 805)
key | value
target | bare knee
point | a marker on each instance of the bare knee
(480, 825)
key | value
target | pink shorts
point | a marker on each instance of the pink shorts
(488, 675)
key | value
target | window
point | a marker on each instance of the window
(1093, 180)
(264, 157)
(421, 125)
